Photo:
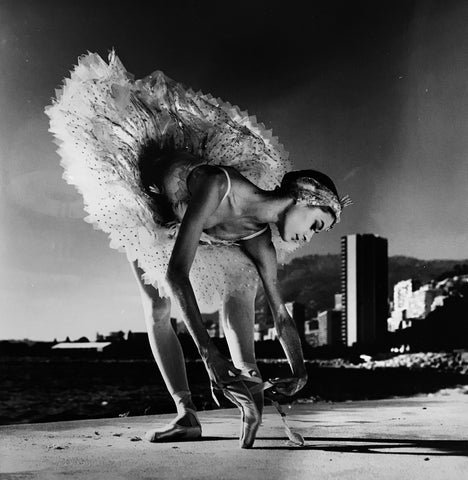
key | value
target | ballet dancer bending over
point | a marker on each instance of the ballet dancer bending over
(201, 199)
(227, 206)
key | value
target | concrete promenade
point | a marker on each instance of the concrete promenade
(424, 437)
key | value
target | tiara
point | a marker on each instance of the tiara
(312, 192)
(346, 201)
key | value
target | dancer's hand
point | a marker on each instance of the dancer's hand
(288, 386)
(220, 370)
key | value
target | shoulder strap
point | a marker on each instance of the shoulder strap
(229, 182)
(253, 235)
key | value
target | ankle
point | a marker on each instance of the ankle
(189, 406)
(186, 407)
(187, 418)
(183, 402)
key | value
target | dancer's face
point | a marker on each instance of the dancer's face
(300, 222)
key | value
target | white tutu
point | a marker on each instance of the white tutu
(102, 119)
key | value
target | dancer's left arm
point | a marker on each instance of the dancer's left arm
(262, 251)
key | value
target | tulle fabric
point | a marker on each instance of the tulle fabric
(102, 118)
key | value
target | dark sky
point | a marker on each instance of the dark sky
(372, 93)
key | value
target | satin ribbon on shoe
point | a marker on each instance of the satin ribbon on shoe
(294, 437)
(252, 378)
(240, 378)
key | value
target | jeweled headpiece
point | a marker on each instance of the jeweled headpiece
(311, 192)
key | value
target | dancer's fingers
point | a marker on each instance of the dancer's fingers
(285, 386)
(281, 382)
(234, 372)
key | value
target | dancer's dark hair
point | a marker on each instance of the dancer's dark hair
(288, 184)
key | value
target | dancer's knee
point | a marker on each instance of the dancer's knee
(156, 307)
(238, 310)
(159, 310)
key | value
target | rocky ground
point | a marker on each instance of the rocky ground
(454, 362)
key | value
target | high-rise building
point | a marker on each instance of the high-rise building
(364, 288)
(329, 327)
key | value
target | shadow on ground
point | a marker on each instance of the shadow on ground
(458, 448)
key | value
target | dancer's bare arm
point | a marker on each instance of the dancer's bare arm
(262, 252)
(206, 194)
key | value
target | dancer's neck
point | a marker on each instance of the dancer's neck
(268, 206)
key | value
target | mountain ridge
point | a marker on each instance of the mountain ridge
(314, 279)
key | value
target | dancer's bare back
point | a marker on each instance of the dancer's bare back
(230, 218)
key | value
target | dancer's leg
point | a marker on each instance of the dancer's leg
(166, 348)
(238, 317)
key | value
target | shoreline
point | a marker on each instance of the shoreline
(38, 390)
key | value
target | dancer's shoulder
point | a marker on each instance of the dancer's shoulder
(207, 177)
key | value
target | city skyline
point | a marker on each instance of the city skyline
(410, 300)
(372, 95)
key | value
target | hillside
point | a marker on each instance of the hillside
(314, 279)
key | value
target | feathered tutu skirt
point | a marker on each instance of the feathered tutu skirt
(103, 119)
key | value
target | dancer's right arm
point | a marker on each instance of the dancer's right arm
(207, 189)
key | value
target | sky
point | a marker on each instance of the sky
(372, 93)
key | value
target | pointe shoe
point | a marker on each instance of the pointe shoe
(254, 383)
(175, 432)
(238, 393)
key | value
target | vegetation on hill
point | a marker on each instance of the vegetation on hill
(314, 279)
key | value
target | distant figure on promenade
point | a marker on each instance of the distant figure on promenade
(197, 195)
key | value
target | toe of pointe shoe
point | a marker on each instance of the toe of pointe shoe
(240, 395)
(249, 428)
(248, 436)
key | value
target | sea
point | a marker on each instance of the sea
(41, 389)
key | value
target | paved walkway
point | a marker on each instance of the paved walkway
(407, 438)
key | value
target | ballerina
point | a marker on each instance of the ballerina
(203, 202)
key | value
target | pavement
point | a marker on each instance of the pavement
(422, 437)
